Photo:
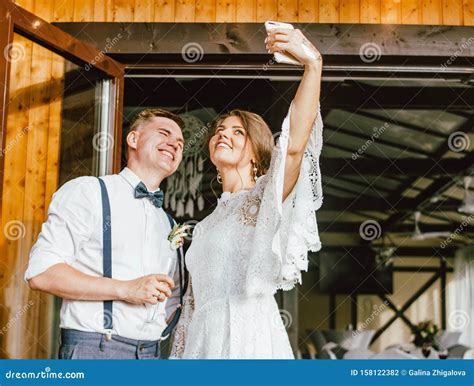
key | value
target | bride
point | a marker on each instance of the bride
(257, 239)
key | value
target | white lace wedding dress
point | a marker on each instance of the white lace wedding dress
(242, 253)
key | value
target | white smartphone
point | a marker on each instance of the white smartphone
(279, 56)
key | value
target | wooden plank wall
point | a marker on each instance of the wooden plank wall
(437, 12)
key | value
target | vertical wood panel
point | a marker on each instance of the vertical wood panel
(144, 11)
(452, 12)
(370, 11)
(35, 178)
(246, 11)
(27, 4)
(122, 10)
(185, 11)
(164, 10)
(16, 140)
(432, 12)
(468, 12)
(390, 12)
(52, 170)
(100, 10)
(55, 124)
(267, 10)
(63, 10)
(329, 11)
(225, 11)
(411, 11)
(39, 325)
(83, 10)
(205, 11)
(349, 11)
(287, 10)
(43, 9)
(308, 11)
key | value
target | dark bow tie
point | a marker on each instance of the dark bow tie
(156, 198)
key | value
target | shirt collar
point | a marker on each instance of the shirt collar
(131, 178)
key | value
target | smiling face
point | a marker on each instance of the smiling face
(157, 144)
(230, 145)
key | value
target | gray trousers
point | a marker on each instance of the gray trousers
(93, 345)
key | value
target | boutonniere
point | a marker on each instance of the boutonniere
(177, 235)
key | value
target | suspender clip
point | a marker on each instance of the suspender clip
(108, 335)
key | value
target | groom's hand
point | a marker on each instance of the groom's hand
(149, 289)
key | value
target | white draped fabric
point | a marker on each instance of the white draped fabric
(462, 318)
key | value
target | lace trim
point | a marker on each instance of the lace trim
(248, 212)
(303, 235)
(181, 330)
(289, 227)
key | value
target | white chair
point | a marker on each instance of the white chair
(469, 354)
(359, 353)
(336, 344)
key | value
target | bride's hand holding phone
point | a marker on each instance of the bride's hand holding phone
(293, 42)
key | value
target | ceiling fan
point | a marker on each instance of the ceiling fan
(419, 235)
(383, 252)
(384, 255)
(467, 205)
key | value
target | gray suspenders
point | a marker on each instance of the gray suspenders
(107, 267)
(106, 255)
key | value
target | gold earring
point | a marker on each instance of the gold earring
(255, 171)
(219, 178)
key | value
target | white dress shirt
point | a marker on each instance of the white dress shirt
(72, 234)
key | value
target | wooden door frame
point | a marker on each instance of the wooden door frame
(14, 19)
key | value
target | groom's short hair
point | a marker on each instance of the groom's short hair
(147, 115)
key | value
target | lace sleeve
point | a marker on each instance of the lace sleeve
(181, 330)
(286, 231)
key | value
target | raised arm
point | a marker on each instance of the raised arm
(306, 101)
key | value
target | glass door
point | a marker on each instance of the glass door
(61, 115)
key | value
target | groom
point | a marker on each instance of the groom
(123, 315)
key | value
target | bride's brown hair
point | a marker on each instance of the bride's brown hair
(258, 133)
